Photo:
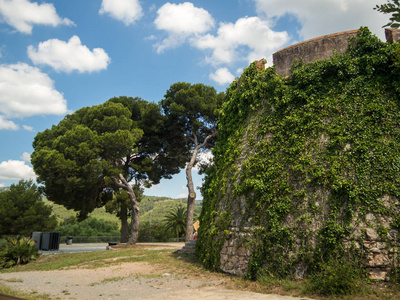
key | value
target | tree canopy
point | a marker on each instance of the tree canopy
(100, 149)
(192, 110)
(391, 8)
(23, 211)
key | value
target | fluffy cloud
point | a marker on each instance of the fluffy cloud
(16, 170)
(69, 56)
(26, 91)
(222, 76)
(326, 16)
(7, 124)
(26, 157)
(22, 15)
(127, 11)
(248, 39)
(27, 128)
(181, 21)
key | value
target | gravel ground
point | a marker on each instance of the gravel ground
(133, 280)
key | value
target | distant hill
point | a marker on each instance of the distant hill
(157, 207)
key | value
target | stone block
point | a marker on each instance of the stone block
(392, 35)
(241, 251)
(378, 273)
(369, 217)
(371, 234)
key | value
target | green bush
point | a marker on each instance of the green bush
(88, 227)
(17, 251)
(337, 277)
(23, 211)
(155, 233)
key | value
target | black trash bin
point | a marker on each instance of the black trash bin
(69, 240)
(50, 241)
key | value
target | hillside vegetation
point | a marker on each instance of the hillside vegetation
(157, 206)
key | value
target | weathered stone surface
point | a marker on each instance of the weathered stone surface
(392, 35)
(235, 255)
(311, 50)
(377, 260)
(379, 274)
(371, 234)
(320, 48)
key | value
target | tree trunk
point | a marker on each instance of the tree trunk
(191, 200)
(124, 223)
(134, 208)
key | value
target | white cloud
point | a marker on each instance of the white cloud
(69, 56)
(150, 37)
(16, 170)
(180, 196)
(27, 128)
(204, 157)
(23, 14)
(181, 21)
(198, 186)
(127, 11)
(239, 71)
(26, 91)
(7, 124)
(152, 7)
(327, 16)
(222, 76)
(249, 39)
(26, 157)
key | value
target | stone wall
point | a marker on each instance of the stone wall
(235, 253)
(319, 48)
(380, 249)
(371, 233)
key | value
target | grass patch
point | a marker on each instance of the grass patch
(92, 260)
(32, 296)
(113, 279)
(13, 280)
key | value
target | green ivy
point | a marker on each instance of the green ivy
(321, 144)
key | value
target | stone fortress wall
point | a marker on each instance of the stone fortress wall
(320, 48)
(236, 251)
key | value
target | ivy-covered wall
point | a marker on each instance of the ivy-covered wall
(307, 168)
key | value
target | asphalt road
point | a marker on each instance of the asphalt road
(64, 248)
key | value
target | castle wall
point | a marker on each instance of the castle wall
(251, 224)
(320, 48)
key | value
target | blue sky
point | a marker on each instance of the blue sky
(59, 56)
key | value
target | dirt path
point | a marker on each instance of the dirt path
(133, 280)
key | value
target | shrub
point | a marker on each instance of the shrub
(155, 233)
(22, 210)
(88, 227)
(17, 251)
(337, 277)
